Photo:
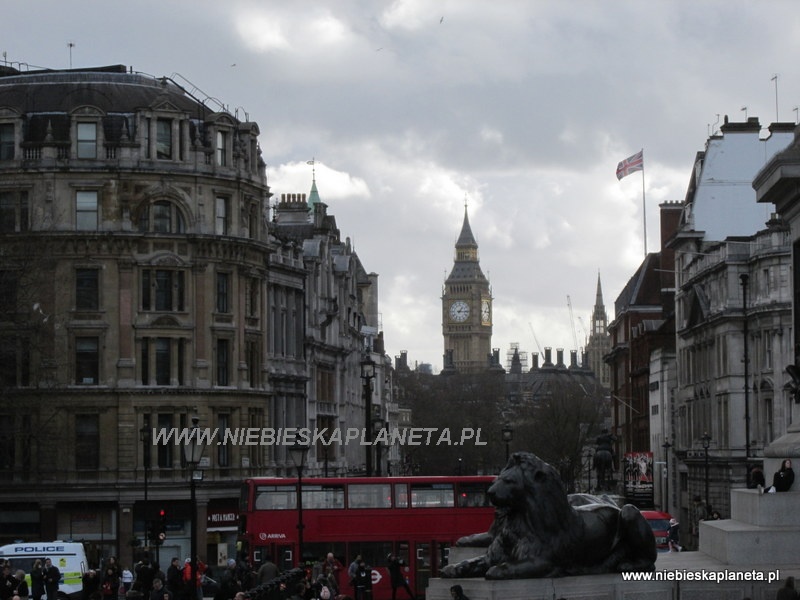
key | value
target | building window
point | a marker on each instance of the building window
(7, 144)
(253, 362)
(9, 282)
(15, 360)
(223, 362)
(146, 138)
(161, 217)
(87, 441)
(221, 216)
(87, 361)
(87, 140)
(252, 222)
(164, 139)
(165, 450)
(223, 450)
(252, 304)
(87, 289)
(163, 360)
(163, 357)
(13, 211)
(222, 148)
(223, 292)
(163, 290)
(86, 210)
(8, 444)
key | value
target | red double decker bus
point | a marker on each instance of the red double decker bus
(415, 518)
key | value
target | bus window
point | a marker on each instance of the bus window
(369, 495)
(473, 495)
(323, 496)
(276, 497)
(317, 551)
(374, 553)
(400, 495)
(432, 495)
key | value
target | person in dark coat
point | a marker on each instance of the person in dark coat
(782, 480)
(787, 592)
(21, 588)
(37, 580)
(397, 577)
(457, 593)
(175, 578)
(7, 583)
(674, 536)
(91, 583)
(362, 582)
(51, 576)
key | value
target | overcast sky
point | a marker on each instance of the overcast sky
(412, 107)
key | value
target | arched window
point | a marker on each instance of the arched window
(161, 217)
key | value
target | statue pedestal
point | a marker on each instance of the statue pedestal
(762, 528)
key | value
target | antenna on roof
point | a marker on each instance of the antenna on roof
(70, 45)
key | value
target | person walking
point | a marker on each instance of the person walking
(674, 536)
(397, 576)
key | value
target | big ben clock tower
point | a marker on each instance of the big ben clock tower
(467, 309)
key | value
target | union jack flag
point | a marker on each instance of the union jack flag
(631, 165)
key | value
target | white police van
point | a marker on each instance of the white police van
(69, 557)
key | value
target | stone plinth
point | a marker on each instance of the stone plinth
(613, 587)
(762, 528)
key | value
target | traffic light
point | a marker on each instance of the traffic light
(162, 525)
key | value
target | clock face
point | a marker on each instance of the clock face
(459, 311)
(486, 312)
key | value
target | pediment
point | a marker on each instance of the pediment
(87, 111)
(163, 104)
(7, 112)
(166, 321)
(221, 119)
(166, 259)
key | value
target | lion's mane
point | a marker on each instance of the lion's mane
(534, 516)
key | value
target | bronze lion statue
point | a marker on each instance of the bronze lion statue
(537, 533)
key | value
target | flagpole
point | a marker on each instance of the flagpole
(644, 210)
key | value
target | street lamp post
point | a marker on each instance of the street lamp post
(298, 452)
(706, 442)
(744, 278)
(508, 437)
(367, 375)
(377, 426)
(193, 453)
(145, 437)
(666, 446)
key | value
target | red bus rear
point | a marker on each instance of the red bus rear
(415, 518)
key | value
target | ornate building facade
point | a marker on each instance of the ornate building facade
(142, 284)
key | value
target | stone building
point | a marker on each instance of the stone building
(732, 318)
(141, 284)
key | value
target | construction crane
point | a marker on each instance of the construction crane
(572, 322)
(535, 340)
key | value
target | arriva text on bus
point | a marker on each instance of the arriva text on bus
(287, 436)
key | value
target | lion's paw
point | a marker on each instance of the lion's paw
(449, 571)
(501, 571)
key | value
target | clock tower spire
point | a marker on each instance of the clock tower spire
(466, 309)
